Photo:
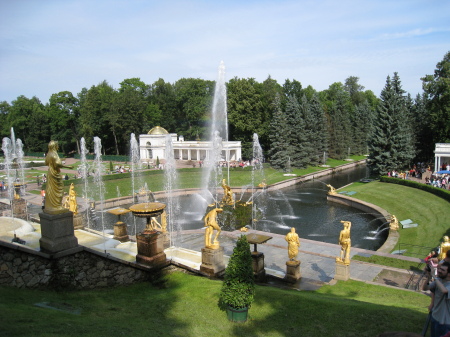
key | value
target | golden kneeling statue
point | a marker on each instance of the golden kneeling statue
(332, 189)
(345, 242)
(394, 223)
(262, 184)
(227, 194)
(211, 225)
(54, 190)
(293, 244)
(445, 245)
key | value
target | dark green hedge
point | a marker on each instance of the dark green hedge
(105, 158)
(444, 194)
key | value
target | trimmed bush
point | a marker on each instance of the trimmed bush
(238, 288)
(439, 192)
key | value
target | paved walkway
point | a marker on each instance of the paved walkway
(317, 259)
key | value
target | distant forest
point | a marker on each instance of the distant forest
(292, 121)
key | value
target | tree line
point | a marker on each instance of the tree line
(296, 125)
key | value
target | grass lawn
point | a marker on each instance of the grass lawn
(430, 212)
(187, 306)
(192, 178)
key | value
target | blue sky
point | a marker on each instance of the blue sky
(48, 46)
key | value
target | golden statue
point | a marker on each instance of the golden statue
(164, 222)
(332, 189)
(394, 223)
(227, 194)
(445, 245)
(211, 225)
(153, 225)
(54, 191)
(293, 244)
(263, 184)
(345, 242)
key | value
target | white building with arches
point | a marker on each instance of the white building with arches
(153, 144)
(442, 156)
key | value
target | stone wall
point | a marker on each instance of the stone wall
(79, 268)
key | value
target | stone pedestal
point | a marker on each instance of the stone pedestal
(78, 221)
(342, 271)
(258, 266)
(57, 233)
(19, 208)
(120, 232)
(150, 245)
(212, 261)
(293, 273)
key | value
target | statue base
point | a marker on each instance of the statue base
(120, 232)
(258, 266)
(342, 271)
(78, 221)
(57, 233)
(19, 208)
(293, 273)
(212, 261)
(150, 249)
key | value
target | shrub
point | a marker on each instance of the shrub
(238, 288)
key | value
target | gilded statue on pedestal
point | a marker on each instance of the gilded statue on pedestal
(445, 245)
(293, 244)
(345, 242)
(227, 194)
(211, 225)
(54, 190)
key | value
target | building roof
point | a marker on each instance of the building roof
(157, 130)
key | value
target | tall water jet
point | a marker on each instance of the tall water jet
(212, 173)
(219, 115)
(8, 153)
(135, 161)
(98, 181)
(258, 179)
(170, 184)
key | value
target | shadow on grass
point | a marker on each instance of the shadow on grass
(293, 313)
(135, 310)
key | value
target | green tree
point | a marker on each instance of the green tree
(94, 111)
(162, 106)
(362, 127)
(28, 118)
(278, 154)
(355, 90)
(437, 89)
(63, 113)
(320, 134)
(295, 131)
(245, 115)
(339, 123)
(390, 146)
(193, 97)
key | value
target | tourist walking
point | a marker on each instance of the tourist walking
(440, 301)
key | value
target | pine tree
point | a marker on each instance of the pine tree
(362, 125)
(320, 134)
(278, 137)
(390, 146)
(295, 134)
(340, 127)
(308, 131)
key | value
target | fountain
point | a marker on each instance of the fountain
(15, 182)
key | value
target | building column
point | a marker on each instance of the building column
(189, 154)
